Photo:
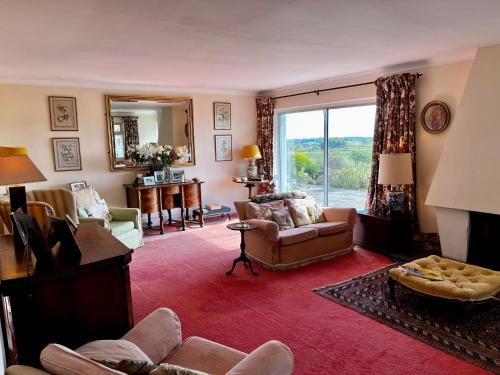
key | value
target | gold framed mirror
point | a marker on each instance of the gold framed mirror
(136, 122)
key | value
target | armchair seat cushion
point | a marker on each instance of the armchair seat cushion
(325, 229)
(203, 355)
(120, 227)
(296, 235)
(112, 350)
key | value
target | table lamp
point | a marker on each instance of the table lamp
(395, 170)
(17, 168)
(251, 152)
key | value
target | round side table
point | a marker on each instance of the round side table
(243, 257)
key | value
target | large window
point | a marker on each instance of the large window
(327, 153)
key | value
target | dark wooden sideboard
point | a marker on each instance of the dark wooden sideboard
(157, 198)
(385, 234)
(74, 304)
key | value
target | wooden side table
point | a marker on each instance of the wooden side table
(387, 235)
(251, 184)
(243, 256)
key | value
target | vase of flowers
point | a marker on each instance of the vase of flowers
(157, 157)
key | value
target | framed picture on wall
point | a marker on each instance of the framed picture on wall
(435, 117)
(222, 116)
(67, 154)
(63, 114)
(223, 147)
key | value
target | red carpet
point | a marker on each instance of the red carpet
(186, 272)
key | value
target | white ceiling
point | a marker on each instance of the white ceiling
(236, 45)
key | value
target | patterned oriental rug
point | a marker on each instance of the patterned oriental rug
(474, 338)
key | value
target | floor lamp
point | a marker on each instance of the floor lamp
(17, 168)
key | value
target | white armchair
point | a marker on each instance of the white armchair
(158, 339)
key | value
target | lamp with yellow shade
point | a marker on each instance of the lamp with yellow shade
(251, 152)
(17, 168)
(395, 170)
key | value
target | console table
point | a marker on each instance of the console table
(77, 303)
(159, 197)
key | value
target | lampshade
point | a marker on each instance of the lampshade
(395, 169)
(17, 168)
(251, 152)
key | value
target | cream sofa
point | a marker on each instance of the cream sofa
(291, 248)
(158, 339)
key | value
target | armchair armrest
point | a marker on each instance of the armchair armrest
(340, 214)
(24, 370)
(127, 214)
(272, 358)
(157, 334)
(102, 222)
(269, 228)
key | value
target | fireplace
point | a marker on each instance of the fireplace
(484, 240)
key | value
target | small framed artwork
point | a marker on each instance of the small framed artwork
(223, 147)
(149, 180)
(75, 186)
(176, 175)
(67, 154)
(63, 114)
(159, 177)
(435, 117)
(222, 116)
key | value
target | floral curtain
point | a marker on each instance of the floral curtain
(265, 118)
(131, 128)
(394, 133)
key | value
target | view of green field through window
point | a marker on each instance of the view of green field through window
(349, 130)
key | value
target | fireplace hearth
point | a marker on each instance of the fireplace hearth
(484, 240)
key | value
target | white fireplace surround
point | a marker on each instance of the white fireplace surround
(453, 226)
(468, 173)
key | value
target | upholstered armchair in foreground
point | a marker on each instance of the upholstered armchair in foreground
(158, 339)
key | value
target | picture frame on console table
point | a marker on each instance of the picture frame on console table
(67, 155)
(223, 147)
(149, 180)
(176, 175)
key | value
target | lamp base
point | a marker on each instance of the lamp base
(17, 200)
(395, 202)
(252, 169)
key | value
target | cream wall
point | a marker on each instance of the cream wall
(24, 120)
(444, 82)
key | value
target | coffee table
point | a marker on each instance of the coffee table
(243, 257)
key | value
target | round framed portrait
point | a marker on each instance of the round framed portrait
(435, 117)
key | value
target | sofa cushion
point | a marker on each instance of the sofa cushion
(283, 218)
(325, 229)
(120, 227)
(262, 211)
(204, 355)
(299, 215)
(314, 210)
(296, 235)
(85, 198)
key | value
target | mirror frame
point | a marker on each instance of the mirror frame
(160, 99)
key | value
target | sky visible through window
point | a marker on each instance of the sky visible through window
(344, 122)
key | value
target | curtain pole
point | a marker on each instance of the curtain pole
(331, 89)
